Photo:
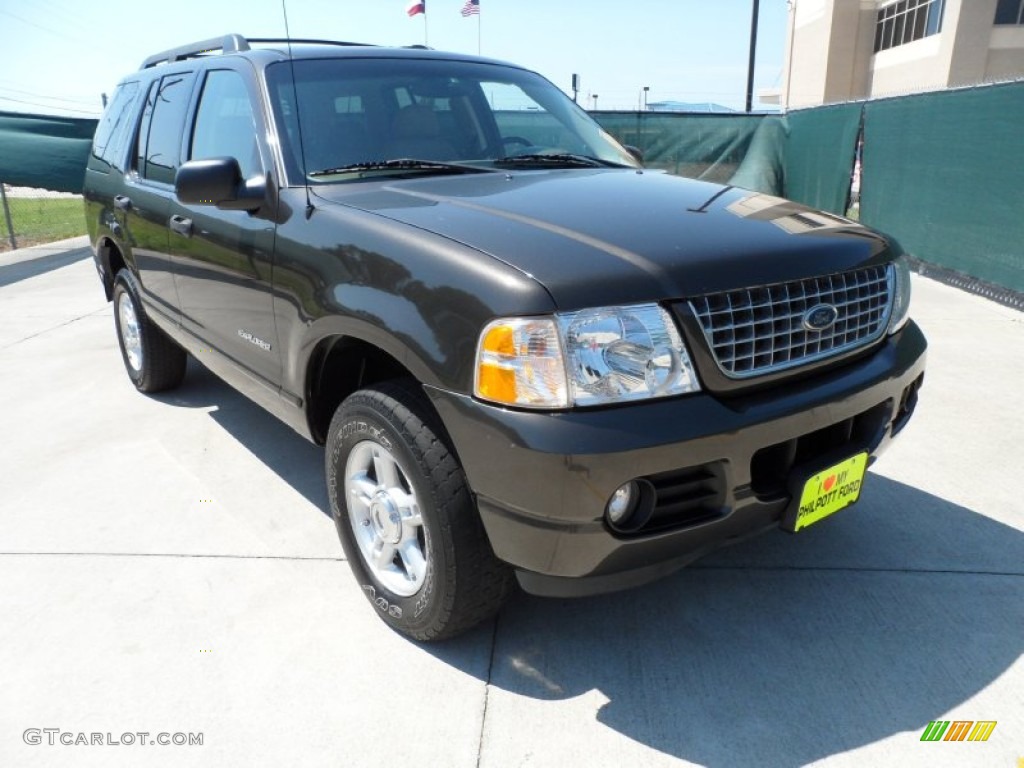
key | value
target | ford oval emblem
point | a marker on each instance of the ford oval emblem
(820, 317)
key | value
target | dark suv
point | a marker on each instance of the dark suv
(529, 358)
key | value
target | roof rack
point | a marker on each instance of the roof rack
(307, 41)
(226, 44)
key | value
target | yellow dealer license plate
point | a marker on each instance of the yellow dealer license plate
(831, 490)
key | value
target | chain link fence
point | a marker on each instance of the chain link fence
(34, 216)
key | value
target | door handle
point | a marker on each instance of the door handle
(181, 225)
(122, 203)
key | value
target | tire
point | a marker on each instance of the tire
(154, 363)
(406, 518)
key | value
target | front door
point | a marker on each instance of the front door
(223, 259)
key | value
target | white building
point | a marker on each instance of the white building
(839, 50)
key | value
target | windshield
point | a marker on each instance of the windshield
(358, 115)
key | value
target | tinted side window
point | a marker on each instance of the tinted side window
(160, 155)
(224, 124)
(139, 156)
(108, 141)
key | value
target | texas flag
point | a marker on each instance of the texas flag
(416, 7)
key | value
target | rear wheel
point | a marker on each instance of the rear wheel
(153, 362)
(406, 518)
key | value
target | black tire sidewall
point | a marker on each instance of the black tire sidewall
(163, 361)
(123, 286)
(356, 421)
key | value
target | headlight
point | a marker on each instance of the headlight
(901, 294)
(624, 353)
(590, 357)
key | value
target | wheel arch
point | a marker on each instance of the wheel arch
(112, 261)
(341, 364)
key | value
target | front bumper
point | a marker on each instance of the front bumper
(542, 480)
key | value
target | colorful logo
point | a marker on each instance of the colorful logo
(958, 730)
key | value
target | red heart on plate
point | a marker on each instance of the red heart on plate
(829, 482)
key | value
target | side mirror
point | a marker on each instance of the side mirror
(218, 181)
(636, 152)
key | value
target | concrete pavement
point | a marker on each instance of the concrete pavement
(167, 567)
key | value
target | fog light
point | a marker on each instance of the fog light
(622, 503)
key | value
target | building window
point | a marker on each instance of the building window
(1010, 12)
(910, 20)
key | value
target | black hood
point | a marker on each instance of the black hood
(601, 236)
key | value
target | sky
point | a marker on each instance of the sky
(58, 56)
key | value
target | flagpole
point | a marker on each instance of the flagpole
(478, 25)
(426, 40)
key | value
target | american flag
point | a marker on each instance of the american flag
(471, 8)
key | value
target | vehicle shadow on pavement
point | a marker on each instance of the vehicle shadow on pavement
(22, 270)
(784, 649)
(291, 457)
(780, 651)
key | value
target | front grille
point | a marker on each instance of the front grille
(761, 330)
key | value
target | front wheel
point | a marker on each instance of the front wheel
(406, 518)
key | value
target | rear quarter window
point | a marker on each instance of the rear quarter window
(111, 137)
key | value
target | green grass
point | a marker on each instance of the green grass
(42, 220)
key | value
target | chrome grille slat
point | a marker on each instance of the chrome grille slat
(798, 315)
(760, 330)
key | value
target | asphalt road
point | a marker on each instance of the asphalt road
(167, 567)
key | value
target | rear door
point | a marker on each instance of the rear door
(108, 162)
(149, 187)
(223, 259)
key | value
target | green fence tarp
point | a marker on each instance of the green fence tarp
(819, 155)
(943, 172)
(762, 168)
(44, 151)
(709, 147)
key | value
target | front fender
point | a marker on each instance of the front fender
(417, 296)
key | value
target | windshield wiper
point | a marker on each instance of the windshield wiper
(557, 158)
(401, 164)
